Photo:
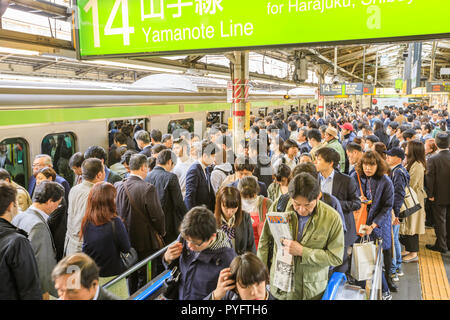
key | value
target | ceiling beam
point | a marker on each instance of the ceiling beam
(21, 37)
(56, 11)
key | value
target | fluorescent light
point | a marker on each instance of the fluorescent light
(19, 51)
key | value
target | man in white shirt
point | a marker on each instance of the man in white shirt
(180, 148)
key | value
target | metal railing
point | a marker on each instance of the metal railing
(376, 288)
(137, 266)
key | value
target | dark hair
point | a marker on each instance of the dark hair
(48, 190)
(283, 171)
(380, 147)
(372, 157)
(143, 136)
(166, 137)
(408, 134)
(416, 152)
(441, 140)
(95, 152)
(101, 207)
(82, 262)
(352, 146)
(372, 138)
(229, 197)
(248, 187)
(120, 137)
(428, 127)
(224, 139)
(164, 157)
(248, 269)
(198, 223)
(4, 174)
(307, 167)
(156, 135)
(393, 124)
(125, 158)
(90, 168)
(76, 160)
(48, 173)
(304, 185)
(289, 143)
(315, 134)
(157, 148)
(137, 161)
(8, 194)
(329, 155)
(151, 161)
(243, 163)
(208, 147)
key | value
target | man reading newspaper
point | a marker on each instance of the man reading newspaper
(307, 239)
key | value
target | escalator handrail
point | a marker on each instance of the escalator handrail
(137, 266)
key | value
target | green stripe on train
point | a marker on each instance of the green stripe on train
(33, 116)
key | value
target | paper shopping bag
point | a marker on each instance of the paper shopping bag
(363, 260)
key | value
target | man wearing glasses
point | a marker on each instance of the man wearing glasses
(318, 242)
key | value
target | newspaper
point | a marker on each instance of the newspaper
(284, 262)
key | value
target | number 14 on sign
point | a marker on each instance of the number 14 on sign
(126, 30)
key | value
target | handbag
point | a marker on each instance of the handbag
(171, 285)
(158, 237)
(129, 258)
(360, 215)
(411, 203)
(363, 259)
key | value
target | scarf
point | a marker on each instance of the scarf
(228, 227)
(222, 241)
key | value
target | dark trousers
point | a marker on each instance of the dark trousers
(429, 222)
(139, 278)
(344, 266)
(441, 217)
(387, 260)
(411, 243)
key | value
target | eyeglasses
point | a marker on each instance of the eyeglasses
(195, 244)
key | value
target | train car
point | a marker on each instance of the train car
(34, 115)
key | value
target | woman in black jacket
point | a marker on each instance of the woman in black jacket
(380, 132)
(236, 224)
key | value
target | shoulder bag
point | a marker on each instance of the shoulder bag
(159, 238)
(360, 215)
(410, 204)
(129, 258)
(171, 285)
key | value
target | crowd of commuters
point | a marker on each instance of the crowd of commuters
(209, 205)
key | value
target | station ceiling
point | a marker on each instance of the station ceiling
(44, 47)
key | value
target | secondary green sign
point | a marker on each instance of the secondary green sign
(155, 27)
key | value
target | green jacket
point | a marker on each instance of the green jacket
(323, 246)
(334, 144)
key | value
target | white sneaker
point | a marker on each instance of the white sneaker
(395, 277)
(387, 296)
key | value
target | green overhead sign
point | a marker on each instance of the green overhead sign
(155, 27)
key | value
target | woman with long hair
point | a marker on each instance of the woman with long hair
(280, 185)
(378, 193)
(103, 232)
(412, 226)
(232, 220)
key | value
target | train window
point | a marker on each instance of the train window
(60, 146)
(277, 110)
(181, 125)
(214, 117)
(129, 127)
(262, 112)
(14, 158)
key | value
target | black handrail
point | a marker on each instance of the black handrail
(137, 266)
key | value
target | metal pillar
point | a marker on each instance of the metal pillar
(240, 96)
(433, 61)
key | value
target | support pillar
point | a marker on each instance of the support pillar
(240, 95)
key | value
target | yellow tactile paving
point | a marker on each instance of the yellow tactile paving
(433, 278)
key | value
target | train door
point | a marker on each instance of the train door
(262, 112)
(213, 118)
(14, 157)
(181, 128)
(61, 147)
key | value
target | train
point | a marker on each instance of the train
(33, 113)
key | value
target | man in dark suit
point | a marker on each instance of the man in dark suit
(437, 184)
(42, 161)
(391, 132)
(198, 179)
(344, 188)
(169, 193)
(100, 153)
(143, 141)
(138, 205)
(87, 277)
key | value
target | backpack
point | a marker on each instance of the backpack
(227, 173)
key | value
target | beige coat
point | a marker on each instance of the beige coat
(415, 223)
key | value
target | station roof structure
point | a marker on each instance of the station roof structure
(36, 39)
